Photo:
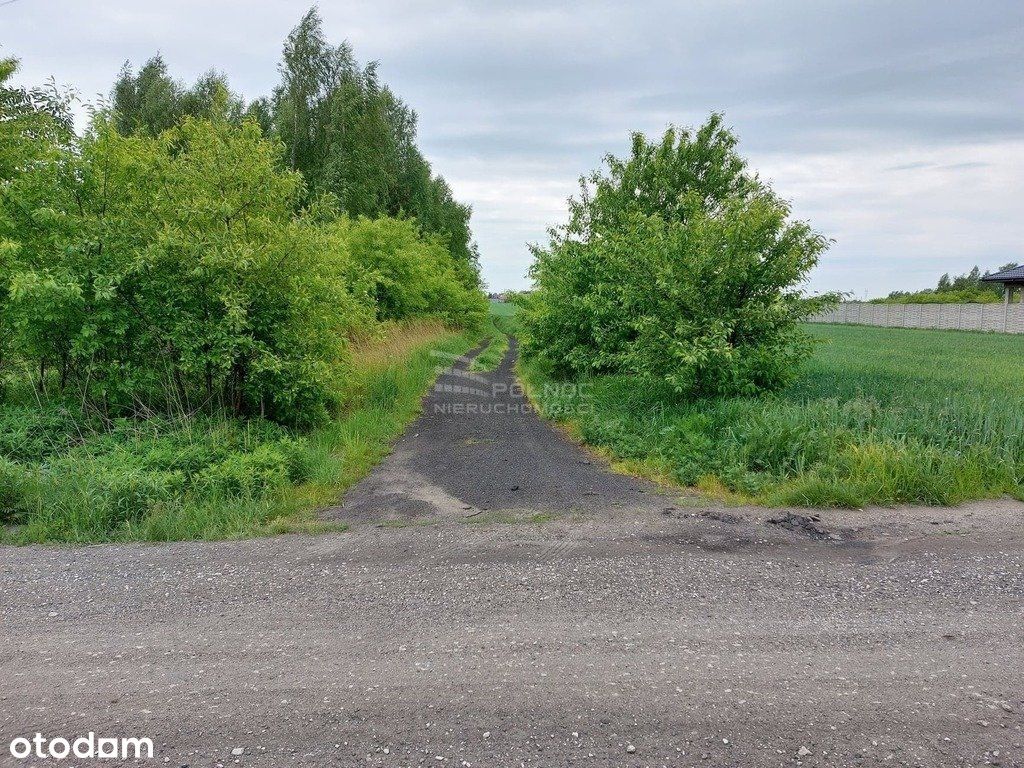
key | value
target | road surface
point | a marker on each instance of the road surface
(449, 628)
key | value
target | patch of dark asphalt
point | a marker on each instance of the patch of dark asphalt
(808, 524)
(478, 447)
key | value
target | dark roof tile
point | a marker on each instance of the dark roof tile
(1017, 273)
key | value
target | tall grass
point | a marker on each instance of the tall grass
(500, 324)
(878, 416)
(66, 478)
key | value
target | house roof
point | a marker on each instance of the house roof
(1015, 275)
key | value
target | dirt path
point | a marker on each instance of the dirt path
(478, 449)
(611, 635)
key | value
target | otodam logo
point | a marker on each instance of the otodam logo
(89, 747)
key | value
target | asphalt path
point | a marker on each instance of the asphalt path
(479, 449)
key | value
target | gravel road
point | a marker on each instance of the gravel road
(629, 629)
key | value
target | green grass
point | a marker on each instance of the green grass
(502, 308)
(500, 324)
(66, 478)
(877, 416)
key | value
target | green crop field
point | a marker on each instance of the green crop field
(877, 416)
(502, 308)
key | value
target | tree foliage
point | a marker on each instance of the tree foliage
(343, 130)
(151, 101)
(352, 137)
(36, 132)
(189, 267)
(676, 262)
(405, 274)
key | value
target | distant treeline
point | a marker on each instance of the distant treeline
(959, 289)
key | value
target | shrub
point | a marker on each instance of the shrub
(406, 274)
(678, 264)
(176, 271)
(173, 269)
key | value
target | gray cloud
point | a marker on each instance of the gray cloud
(897, 129)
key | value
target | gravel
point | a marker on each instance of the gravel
(618, 636)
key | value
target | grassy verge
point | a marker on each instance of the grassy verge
(500, 324)
(64, 478)
(877, 416)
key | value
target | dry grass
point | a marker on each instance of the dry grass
(396, 342)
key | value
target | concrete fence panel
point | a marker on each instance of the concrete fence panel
(1000, 318)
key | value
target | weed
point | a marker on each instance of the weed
(65, 477)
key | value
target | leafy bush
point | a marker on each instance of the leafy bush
(173, 268)
(678, 264)
(407, 275)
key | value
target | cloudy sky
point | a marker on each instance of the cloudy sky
(896, 128)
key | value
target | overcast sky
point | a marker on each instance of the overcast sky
(896, 128)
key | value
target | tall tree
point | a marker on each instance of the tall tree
(151, 102)
(352, 138)
(348, 134)
(676, 262)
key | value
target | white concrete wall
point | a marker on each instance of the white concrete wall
(966, 317)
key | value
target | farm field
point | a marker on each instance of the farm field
(502, 308)
(876, 416)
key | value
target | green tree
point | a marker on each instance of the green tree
(173, 270)
(36, 136)
(406, 274)
(677, 263)
(152, 101)
(172, 258)
(343, 129)
(967, 288)
(351, 137)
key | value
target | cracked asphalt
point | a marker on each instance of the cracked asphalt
(447, 628)
(478, 449)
